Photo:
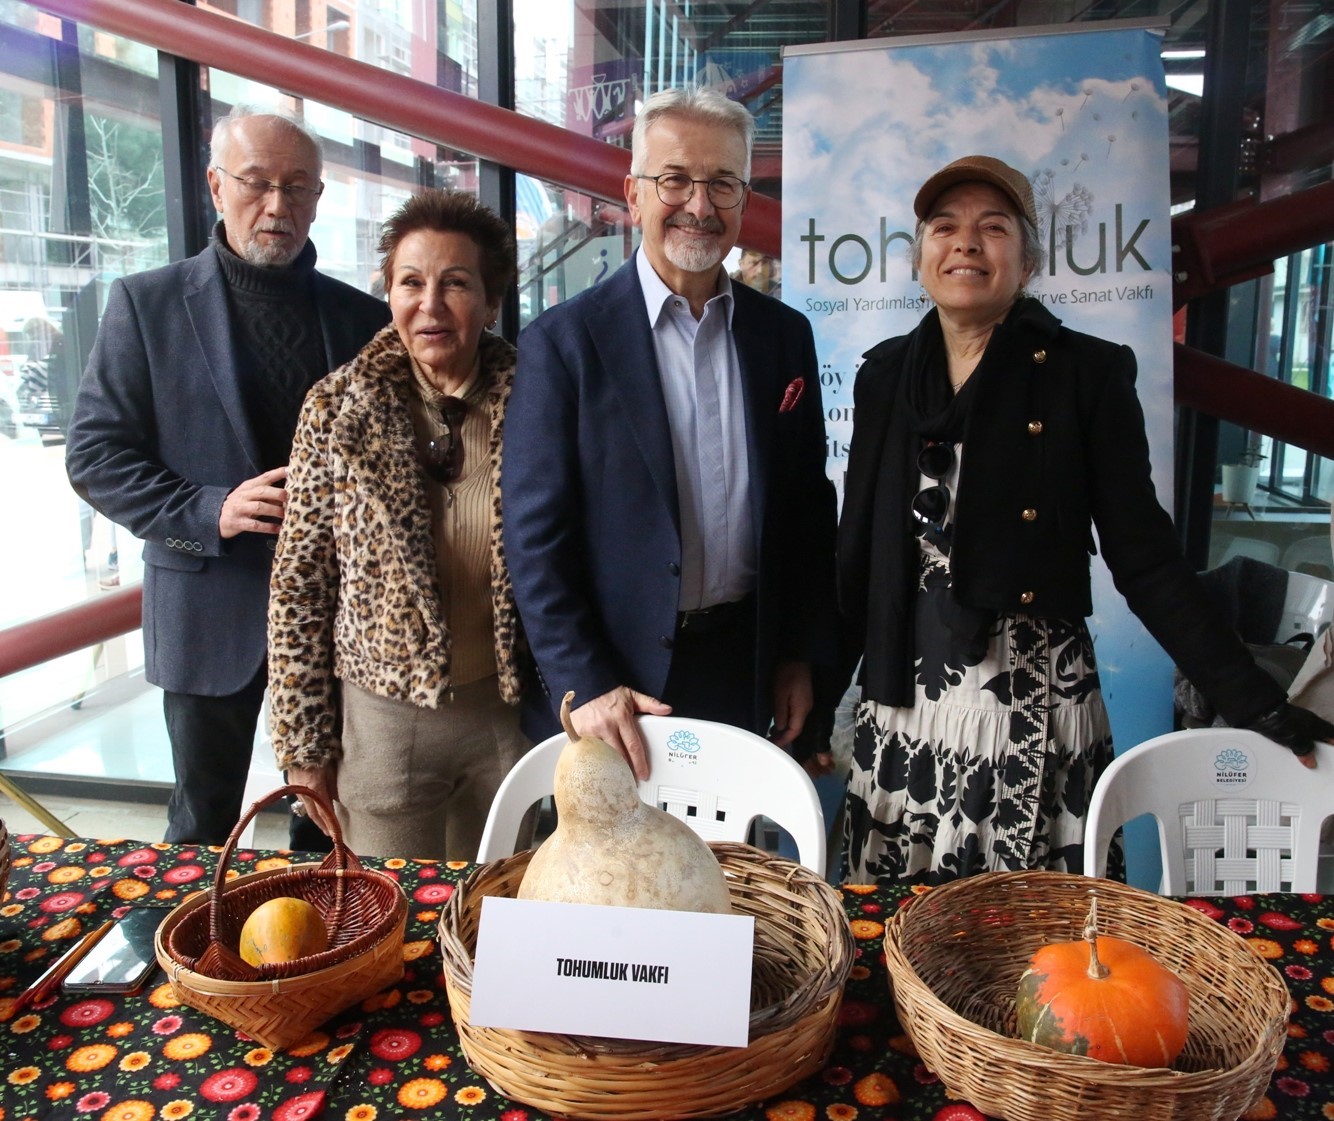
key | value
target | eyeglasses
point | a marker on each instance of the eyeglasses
(677, 189)
(252, 190)
(442, 458)
(931, 504)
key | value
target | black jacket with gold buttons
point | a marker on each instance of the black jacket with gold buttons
(1055, 447)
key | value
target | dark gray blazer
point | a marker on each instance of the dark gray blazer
(160, 436)
(592, 523)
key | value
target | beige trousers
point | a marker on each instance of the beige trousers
(418, 782)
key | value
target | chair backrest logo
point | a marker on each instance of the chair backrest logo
(683, 746)
(1232, 768)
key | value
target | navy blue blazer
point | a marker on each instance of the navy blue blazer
(591, 514)
(158, 438)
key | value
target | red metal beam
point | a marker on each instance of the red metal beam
(1217, 248)
(62, 632)
(1254, 401)
(531, 146)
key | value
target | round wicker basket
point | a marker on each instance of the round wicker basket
(364, 911)
(6, 858)
(956, 953)
(803, 952)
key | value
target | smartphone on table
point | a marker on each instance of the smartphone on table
(123, 959)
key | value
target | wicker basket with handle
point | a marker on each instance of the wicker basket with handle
(803, 952)
(364, 913)
(956, 953)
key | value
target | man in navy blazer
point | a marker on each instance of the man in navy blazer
(181, 433)
(668, 522)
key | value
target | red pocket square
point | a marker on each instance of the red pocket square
(792, 394)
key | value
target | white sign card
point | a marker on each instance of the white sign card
(620, 972)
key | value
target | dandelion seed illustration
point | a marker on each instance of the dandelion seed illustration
(1062, 214)
(1065, 163)
(1134, 88)
(1060, 116)
(1097, 116)
(1088, 92)
(1083, 158)
(1111, 139)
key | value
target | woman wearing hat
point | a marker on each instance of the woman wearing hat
(988, 443)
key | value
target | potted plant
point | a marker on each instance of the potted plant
(1241, 478)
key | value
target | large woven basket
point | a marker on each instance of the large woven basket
(364, 912)
(803, 951)
(956, 953)
(6, 858)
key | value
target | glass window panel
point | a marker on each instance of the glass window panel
(81, 203)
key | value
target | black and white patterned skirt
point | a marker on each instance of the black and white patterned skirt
(992, 767)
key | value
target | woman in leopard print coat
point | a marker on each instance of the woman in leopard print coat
(395, 652)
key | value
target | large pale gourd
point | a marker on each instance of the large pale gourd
(613, 849)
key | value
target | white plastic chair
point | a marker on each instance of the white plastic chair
(1236, 812)
(1313, 550)
(1308, 606)
(716, 778)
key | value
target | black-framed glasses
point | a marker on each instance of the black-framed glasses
(252, 190)
(676, 189)
(442, 458)
(931, 504)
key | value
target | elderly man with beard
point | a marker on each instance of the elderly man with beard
(668, 522)
(181, 433)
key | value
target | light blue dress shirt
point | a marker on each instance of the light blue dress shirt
(701, 385)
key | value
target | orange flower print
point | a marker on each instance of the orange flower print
(470, 1095)
(876, 1089)
(1263, 1110)
(21, 1076)
(437, 1062)
(313, 1044)
(120, 1030)
(258, 1057)
(456, 865)
(132, 1110)
(859, 889)
(362, 1112)
(191, 1045)
(45, 845)
(163, 997)
(1325, 924)
(174, 1111)
(93, 1057)
(1314, 1060)
(24, 1024)
(338, 1054)
(422, 1093)
(101, 872)
(427, 916)
(59, 1091)
(129, 889)
(859, 973)
(1327, 983)
(1266, 948)
(790, 1111)
(135, 1060)
(1320, 1004)
(1305, 946)
(270, 862)
(395, 862)
(420, 996)
(66, 874)
(863, 929)
(1327, 1112)
(841, 1112)
(414, 950)
(65, 928)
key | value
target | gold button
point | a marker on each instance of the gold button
(1035, 428)
(1039, 356)
(1026, 597)
(1029, 515)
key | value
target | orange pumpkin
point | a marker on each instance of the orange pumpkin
(282, 929)
(1105, 998)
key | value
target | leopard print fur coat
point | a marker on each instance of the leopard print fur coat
(354, 595)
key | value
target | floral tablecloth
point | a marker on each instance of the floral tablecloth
(396, 1056)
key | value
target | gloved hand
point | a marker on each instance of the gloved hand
(1295, 728)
